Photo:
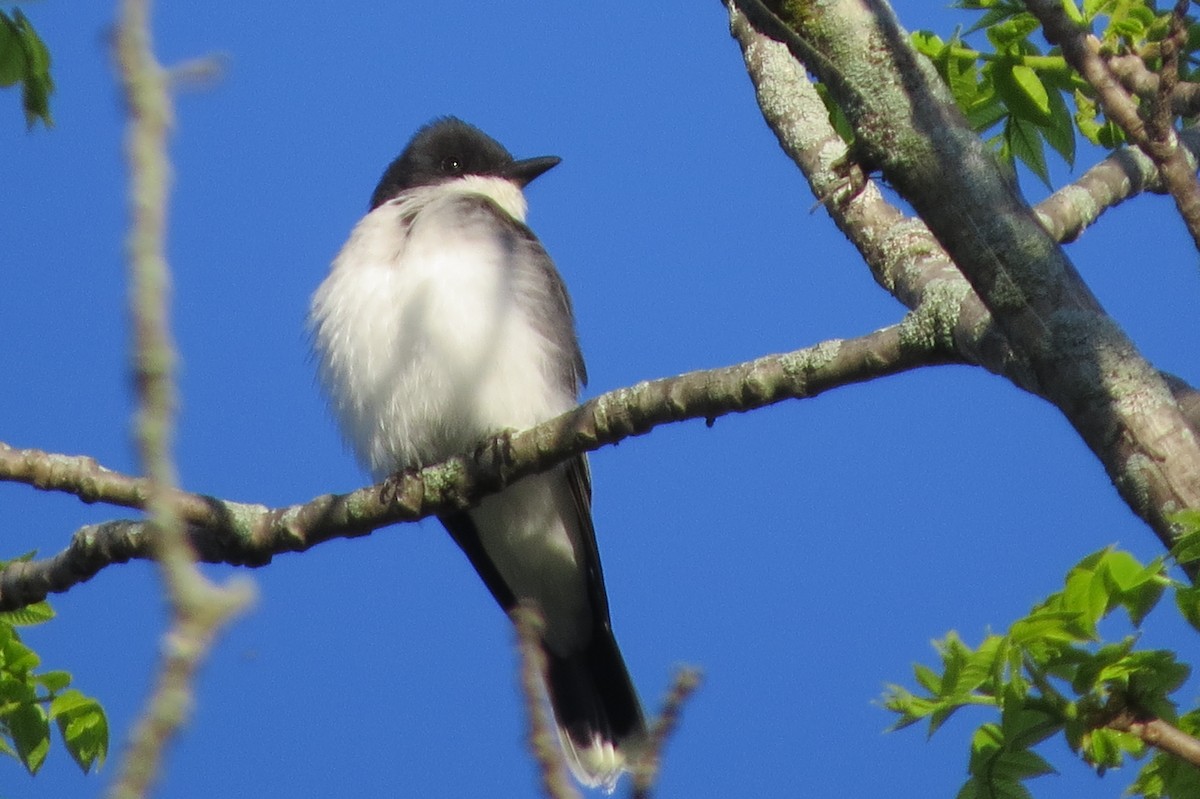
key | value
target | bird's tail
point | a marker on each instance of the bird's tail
(600, 722)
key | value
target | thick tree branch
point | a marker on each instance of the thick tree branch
(1156, 135)
(902, 254)
(1076, 356)
(241, 534)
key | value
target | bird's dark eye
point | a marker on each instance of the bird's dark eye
(451, 165)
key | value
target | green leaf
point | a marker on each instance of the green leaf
(928, 678)
(29, 615)
(837, 117)
(1013, 31)
(30, 733)
(1139, 602)
(1187, 546)
(1087, 592)
(927, 43)
(954, 657)
(12, 56)
(1187, 549)
(1023, 764)
(1032, 89)
(35, 49)
(1073, 12)
(980, 788)
(16, 658)
(963, 78)
(1024, 726)
(84, 729)
(1187, 599)
(1152, 676)
(69, 701)
(15, 691)
(1104, 748)
(1046, 627)
(940, 716)
(1128, 27)
(31, 554)
(1106, 664)
(25, 59)
(1122, 569)
(53, 681)
(1093, 126)
(955, 64)
(985, 743)
(985, 112)
(1136, 587)
(974, 668)
(1022, 93)
(1188, 519)
(996, 12)
(997, 768)
(1059, 131)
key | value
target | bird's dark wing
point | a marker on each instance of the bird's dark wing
(580, 478)
(462, 529)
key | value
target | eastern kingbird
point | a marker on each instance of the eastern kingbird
(443, 322)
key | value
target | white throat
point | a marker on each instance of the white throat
(503, 193)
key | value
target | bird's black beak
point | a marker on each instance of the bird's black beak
(523, 172)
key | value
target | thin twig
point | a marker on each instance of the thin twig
(198, 609)
(648, 765)
(556, 783)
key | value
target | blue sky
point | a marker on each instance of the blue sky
(803, 556)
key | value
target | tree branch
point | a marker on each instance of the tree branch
(198, 609)
(646, 770)
(1133, 74)
(1063, 347)
(1160, 734)
(250, 535)
(1125, 174)
(1154, 136)
(556, 783)
(902, 254)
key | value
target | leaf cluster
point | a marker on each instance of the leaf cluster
(1051, 673)
(1011, 85)
(25, 59)
(31, 699)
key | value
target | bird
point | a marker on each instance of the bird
(443, 322)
